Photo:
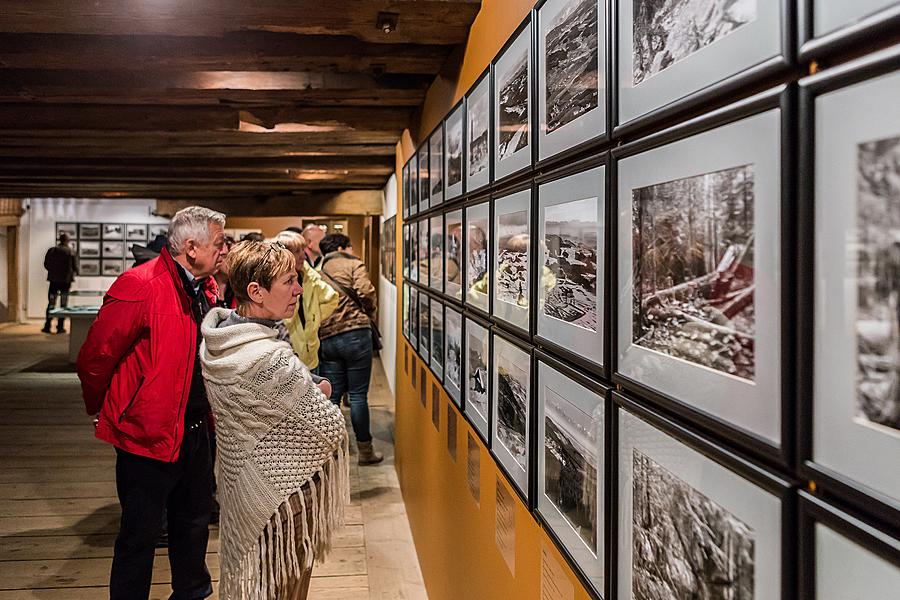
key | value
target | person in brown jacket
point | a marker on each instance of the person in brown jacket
(345, 356)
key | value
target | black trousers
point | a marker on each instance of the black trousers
(60, 290)
(149, 490)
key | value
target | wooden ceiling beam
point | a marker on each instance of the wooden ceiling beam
(351, 202)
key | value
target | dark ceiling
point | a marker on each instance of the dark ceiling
(212, 98)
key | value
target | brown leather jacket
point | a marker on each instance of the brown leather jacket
(351, 274)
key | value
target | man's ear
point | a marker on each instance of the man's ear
(190, 248)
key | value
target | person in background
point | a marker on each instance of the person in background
(313, 235)
(226, 294)
(140, 370)
(318, 302)
(253, 236)
(283, 464)
(346, 337)
(61, 271)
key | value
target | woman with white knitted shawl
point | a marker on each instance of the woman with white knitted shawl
(282, 455)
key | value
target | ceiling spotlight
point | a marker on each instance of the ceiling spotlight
(387, 21)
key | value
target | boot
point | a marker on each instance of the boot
(46, 328)
(367, 454)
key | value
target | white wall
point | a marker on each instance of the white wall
(4, 275)
(387, 297)
(39, 234)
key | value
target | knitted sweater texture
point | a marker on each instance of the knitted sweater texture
(275, 431)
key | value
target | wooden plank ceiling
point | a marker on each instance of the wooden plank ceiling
(212, 98)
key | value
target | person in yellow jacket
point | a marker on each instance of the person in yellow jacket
(317, 302)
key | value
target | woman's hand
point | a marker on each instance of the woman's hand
(325, 386)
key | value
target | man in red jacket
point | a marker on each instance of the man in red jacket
(139, 369)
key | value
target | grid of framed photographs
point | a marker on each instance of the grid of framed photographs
(104, 249)
(653, 242)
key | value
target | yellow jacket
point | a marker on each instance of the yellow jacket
(319, 301)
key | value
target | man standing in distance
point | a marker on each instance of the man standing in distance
(61, 271)
(313, 234)
(139, 368)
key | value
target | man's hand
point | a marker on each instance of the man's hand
(325, 386)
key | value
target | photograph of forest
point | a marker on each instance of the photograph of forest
(693, 270)
(878, 284)
(512, 399)
(513, 110)
(454, 151)
(478, 117)
(570, 465)
(573, 69)
(570, 241)
(667, 31)
(477, 372)
(512, 259)
(453, 362)
(684, 545)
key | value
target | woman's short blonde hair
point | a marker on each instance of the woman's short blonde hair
(262, 262)
(294, 242)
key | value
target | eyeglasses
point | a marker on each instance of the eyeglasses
(273, 246)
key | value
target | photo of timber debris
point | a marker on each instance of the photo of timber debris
(570, 465)
(570, 239)
(878, 284)
(477, 263)
(453, 253)
(478, 117)
(667, 31)
(573, 69)
(477, 371)
(454, 150)
(512, 259)
(693, 270)
(424, 327)
(513, 109)
(453, 362)
(513, 384)
(436, 166)
(683, 544)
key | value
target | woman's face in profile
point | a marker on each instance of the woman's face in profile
(279, 302)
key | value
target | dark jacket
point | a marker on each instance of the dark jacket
(60, 264)
(137, 363)
(350, 274)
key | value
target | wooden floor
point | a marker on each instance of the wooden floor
(59, 513)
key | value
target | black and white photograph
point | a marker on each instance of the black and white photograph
(570, 255)
(572, 63)
(157, 229)
(669, 31)
(406, 251)
(88, 267)
(878, 284)
(389, 249)
(113, 268)
(511, 407)
(414, 317)
(478, 117)
(453, 153)
(512, 258)
(70, 229)
(436, 166)
(437, 338)
(513, 95)
(453, 353)
(424, 327)
(436, 250)
(477, 245)
(89, 231)
(88, 249)
(694, 270)
(414, 184)
(136, 232)
(414, 251)
(423, 252)
(405, 317)
(113, 249)
(684, 545)
(453, 243)
(478, 376)
(113, 231)
(424, 178)
(404, 189)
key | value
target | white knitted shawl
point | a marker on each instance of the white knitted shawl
(275, 431)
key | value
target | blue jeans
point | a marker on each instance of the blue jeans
(345, 360)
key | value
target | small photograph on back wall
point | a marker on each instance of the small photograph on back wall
(113, 231)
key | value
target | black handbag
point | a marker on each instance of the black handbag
(354, 297)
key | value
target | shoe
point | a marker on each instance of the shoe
(46, 329)
(59, 331)
(367, 454)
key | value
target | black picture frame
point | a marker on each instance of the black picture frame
(454, 290)
(424, 178)
(480, 423)
(404, 189)
(458, 112)
(406, 251)
(424, 346)
(783, 98)
(89, 231)
(414, 251)
(436, 259)
(879, 27)
(423, 252)
(517, 322)
(405, 312)
(414, 184)
(113, 231)
(482, 179)
(455, 392)
(436, 164)
(414, 317)
(523, 36)
(436, 362)
(482, 310)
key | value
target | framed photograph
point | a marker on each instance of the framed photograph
(478, 275)
(405, 300)
(512, 275)
(70, 229)
(511, 410)
(155, 229)
(135, 232)
(512, 105)
(113, 268)
(414, 317)
(851, 393)
(571, 238)
(693, 522)
(424, 253)
(406, 251)
(827, 27)
(572, 73)
(843, 557)
(478, 377)
(571, 465)
(454, 125)
(453, 244)
(424, 327)
(436, 165)
(113, 231)
(414, 251)
(414, 184)
(707, 49)
(437, 338)
(404, 189)
(702, 281)
(89, 249)
(424, 178)
(113, 249)
(436, 253)
(88, 267)
(453, 353)
(89, 231)
(478, 134)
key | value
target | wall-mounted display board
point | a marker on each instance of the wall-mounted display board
(436, 253)
(104, 249)
(477, 375)
(436, 166)
(424, 326)
(453, 254)
(424, 178)
(827, 27)
(572, 74)
(512, 281)
(513, 149)
(700, 270)
(453, 353)
(478, 264)
(454, 142)
(437, 338)
(672, 56)
(850, 428)
(477, 155)
(511, 409)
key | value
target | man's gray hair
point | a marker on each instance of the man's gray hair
(191, 223)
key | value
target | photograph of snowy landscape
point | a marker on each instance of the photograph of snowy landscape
(570, 240)
(478, 117)
(453, 362)
(693, 270)
(513, 110)
(667, 31)
(573, 69)
(683, 544)
(512, 259)
(878, 284)
(513, 384)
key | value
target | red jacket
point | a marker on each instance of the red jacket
(137, 361)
